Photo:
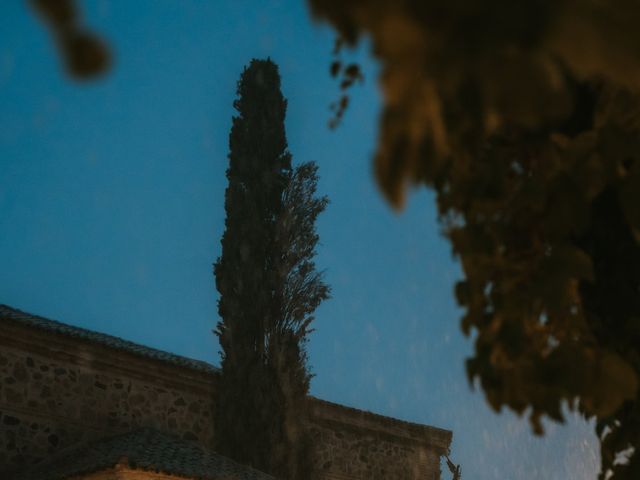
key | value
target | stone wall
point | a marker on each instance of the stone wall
(352, 444)
(57, 390)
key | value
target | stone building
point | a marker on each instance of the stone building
(77, 404)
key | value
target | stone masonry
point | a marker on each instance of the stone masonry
(61, 385)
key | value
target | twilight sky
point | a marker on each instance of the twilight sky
(111, 211)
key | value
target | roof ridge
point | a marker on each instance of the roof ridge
(111, 341)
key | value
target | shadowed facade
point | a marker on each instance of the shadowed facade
(63, 387)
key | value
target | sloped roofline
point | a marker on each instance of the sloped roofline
(20, 317)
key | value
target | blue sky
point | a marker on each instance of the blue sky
(111, 211)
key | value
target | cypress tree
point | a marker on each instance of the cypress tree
(268, 285)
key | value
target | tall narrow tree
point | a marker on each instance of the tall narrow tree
(268, 284)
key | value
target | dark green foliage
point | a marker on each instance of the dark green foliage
(268, 286)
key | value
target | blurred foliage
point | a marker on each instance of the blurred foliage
(349, 75)
(84, 54)
(269, 286)
(524, 117)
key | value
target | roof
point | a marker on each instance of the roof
(145, 449)
(438, 438)
(53, 326)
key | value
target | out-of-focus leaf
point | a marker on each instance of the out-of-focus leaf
(85, 54)
(630, 198)
(525, 120)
